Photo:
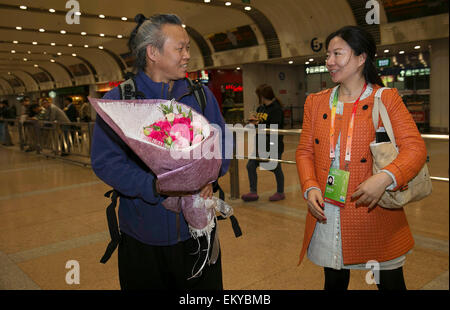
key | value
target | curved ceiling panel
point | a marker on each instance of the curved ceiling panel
(105, 65)
(59, 73)
(30, 82)
(297, 22)
(5, 86)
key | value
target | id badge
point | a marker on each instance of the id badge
(336, 188)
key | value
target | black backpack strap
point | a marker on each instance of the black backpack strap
(128, 90)
(112, 225)
(199, 93)
(234, 222)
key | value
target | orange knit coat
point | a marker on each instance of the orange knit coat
(381, 234)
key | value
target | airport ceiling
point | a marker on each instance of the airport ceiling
(39, 49)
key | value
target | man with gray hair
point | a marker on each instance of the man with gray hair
(156, 250)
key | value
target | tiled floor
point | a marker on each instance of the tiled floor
(52, 212)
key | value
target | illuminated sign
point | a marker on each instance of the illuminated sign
(235, 88)
(384, 62)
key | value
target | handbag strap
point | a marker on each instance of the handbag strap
(380, 109)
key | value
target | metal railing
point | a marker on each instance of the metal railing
(60, 139)
(234, 166)
(52, 139)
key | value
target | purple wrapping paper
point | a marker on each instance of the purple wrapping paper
(175, 176)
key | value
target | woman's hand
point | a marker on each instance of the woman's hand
(371, 190)
(316, 205)
(206, 192)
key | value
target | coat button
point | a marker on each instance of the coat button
(363, 160)
(365, 107)
(325, 116)
(317, 141)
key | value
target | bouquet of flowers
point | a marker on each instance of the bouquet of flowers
(175, 130)
(180, 148)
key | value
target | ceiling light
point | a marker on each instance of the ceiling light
(86, 45)
(228, 3)
(247, 8)
(101, 16)
(41, 30)
(69, 45)
(83, 33)
(23, 7)
(74, 55)
(63, 32)
(401, 52)
(52, 60)
(311, 59)
(13, 51)
(124, 18)
(36, 65)
(19, 28)
(34, 43)
(25, 59)
(183, 25)
(386, 51)
(416, 47)
(207, 1)
(100, 47)
(15, 42)
(306, 62)
(52, 10)
(53, 44)
(291, 62)
(59, 53)
(29, 52)
(119, 36)
(102, 34)
(238, 68)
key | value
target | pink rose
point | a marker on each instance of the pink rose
(180, 130)
(181, 143)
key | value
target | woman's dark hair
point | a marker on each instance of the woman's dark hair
(265, 91)
(361, 42)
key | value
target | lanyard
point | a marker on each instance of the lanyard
(350, 127)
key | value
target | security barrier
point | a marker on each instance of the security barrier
(53, 139)
(234, 166)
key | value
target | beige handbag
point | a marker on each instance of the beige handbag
(384, 153)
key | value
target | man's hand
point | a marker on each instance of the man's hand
(207, 191)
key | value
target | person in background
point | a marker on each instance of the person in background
(25, 103)
(70, 109)
(3, 124)
(269, 112)
(85, 112)
(7, 112)
(37, 112)
(337, 130)
(53, 113)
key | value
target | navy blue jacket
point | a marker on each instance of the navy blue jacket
(141, 214)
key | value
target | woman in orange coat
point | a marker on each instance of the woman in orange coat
(357, 233)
